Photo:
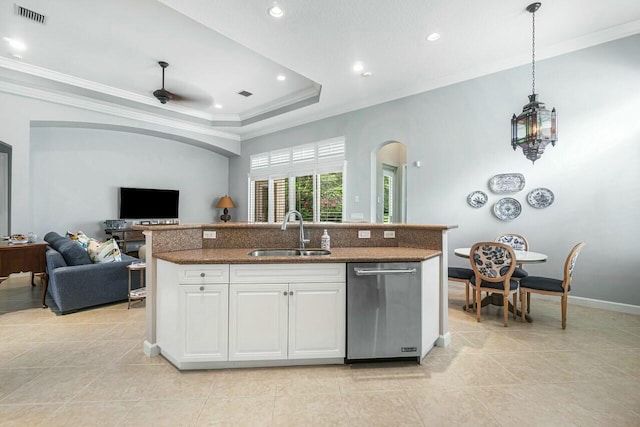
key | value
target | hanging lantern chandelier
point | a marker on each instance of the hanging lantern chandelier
(536, 126)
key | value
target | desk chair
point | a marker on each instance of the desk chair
(493, 265)
(549, 286)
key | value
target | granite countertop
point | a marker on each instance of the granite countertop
(241, 256)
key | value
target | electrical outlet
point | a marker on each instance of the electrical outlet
(207, 234)
(364, 234)
(389, 234)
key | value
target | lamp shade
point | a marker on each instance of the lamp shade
(225, 202)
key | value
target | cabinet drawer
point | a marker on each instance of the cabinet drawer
(203, 273)
(287, 273)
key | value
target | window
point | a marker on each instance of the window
(308, 178)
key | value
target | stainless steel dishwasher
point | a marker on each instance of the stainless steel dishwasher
(383, 310)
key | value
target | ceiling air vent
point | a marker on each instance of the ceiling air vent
(29, 14)
(245, 93)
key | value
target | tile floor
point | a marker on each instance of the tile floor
(88, 369)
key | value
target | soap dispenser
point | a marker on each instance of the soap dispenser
(325, 241)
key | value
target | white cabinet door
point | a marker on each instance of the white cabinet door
(317, 320)
(258, 321)
(204, 314)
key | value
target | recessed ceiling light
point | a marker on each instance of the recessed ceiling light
(15, 55)
(276, 11)
(433, 37)
(16, 44)
(218, 106)
(367, 74)
(281, 77)
(358, 67)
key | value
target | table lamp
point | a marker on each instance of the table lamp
(225, 202)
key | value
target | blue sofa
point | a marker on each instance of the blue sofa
(76, 283)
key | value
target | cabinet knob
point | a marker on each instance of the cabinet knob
(202, 288)
(201, 274)
(284, 293)
(290, 292)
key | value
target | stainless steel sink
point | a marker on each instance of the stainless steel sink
(289, 252)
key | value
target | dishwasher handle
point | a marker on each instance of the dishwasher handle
(378, 271)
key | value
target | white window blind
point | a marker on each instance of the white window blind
(319, 157)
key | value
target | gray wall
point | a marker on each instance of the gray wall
(76, 174)
(22, 114)
(461, 136)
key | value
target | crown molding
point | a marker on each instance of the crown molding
(296, 97)
(112, 110)
(55, 76)
(214, 119)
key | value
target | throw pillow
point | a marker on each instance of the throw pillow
(80, 238)
(102, 252)
(72, 253)
(54, 240)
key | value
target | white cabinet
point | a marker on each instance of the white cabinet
(258, 321)
(203, 313)
(193, 312)
(294, 311)
(317, 320)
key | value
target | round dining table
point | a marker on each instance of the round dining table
(522, 257)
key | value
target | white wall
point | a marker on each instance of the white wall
(76, 174)
(461, 136)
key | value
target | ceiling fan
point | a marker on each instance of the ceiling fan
(195, 100)
(163, 95)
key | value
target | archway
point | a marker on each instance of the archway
(388, 183)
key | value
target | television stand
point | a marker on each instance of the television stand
(124, 237)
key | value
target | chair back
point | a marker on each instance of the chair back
(516, 241)
(570, 263)
(493, 262)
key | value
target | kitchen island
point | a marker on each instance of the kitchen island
(300, 298)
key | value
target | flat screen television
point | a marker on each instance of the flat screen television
(148, 203)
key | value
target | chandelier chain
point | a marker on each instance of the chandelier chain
(533, 53)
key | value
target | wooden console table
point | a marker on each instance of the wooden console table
(25, 257)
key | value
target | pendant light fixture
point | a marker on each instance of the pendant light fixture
(536, 126)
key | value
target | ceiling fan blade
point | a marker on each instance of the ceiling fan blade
(193, 100)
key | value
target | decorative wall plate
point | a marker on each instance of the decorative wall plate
(507, 183)
(507, 209)
(540, 198)
(477, 199)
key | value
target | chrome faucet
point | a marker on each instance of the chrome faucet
(284, 226)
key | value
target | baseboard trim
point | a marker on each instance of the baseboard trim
(595, 303)
(151, 350)
(585, 302)
(443, 340)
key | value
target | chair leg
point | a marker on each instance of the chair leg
(476, 301)
(564, 312)
(522, 297)
(515, 305)
(505, 306)
(466, 300)
(528, 302)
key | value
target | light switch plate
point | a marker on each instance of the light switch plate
(364, 234)
(389, 234)
(209, 234)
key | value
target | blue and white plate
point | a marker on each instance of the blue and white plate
(477, 199)
(540, 198)
(507, 183)
(507, 209)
